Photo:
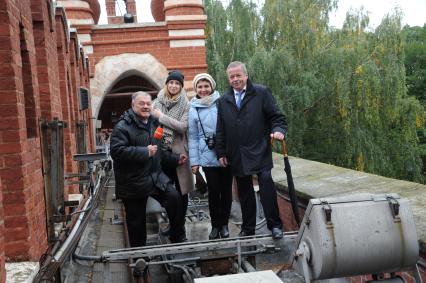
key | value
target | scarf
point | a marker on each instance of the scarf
(174, 108)
(207, 100)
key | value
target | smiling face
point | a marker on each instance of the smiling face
(203, 88)
(141, 105)
(237, 77)
(174, 87)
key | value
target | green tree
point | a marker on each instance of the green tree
(343, 90)
(415, 66)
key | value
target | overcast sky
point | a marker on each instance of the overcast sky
(414, 10)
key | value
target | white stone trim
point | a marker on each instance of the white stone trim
(88, 49)
(186, 32)
(77, 22)
(109, 70)
(181, 2)
(74, 4)
(75, 197)
(186, 18)
(84, 37)
(187, 43)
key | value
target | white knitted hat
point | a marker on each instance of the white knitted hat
(204, 76)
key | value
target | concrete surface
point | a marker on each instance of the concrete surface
(266, 276)
(21, 272)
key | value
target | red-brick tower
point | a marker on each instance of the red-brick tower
(113, 18)
(137, 56)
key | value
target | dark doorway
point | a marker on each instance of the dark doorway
(118, 99)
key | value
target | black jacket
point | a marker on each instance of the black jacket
(243, 136)
(136, 174)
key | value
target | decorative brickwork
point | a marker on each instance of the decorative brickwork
(40, 75)
(22, 182)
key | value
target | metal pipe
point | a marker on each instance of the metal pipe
(247, 267)
(181, 248)
(87, 257)
(58, 246)
(169, 261)
(76, 227)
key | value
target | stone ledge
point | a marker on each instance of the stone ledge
(317, 180)
(21, 272)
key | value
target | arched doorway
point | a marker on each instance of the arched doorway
(116, 78)
(118, 99)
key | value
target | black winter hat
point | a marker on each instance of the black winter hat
(176, 76)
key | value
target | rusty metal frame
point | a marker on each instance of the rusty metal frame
(52, 146)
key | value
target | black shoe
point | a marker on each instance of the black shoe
(214, 234)
(245, 233)
(277, 233)
(179, 239)
(224, 231)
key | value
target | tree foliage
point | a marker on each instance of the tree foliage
(415, 65)
(343, 90)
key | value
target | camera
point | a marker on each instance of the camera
(210, 141)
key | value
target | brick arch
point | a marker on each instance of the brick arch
(111, 69)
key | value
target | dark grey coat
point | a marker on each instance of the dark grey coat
(243, 136)
(136, 174)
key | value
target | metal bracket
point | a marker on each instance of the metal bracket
(90, 157)
(327, 209)
(303, 255)
(394, 206)
(71, 203)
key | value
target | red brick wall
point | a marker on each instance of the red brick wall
(22, 183)
(37, 82)
(66, 94)
(153, 40)
(47, 64)
(2, 259)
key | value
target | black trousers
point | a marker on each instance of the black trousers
(136, 216)
(268, 198)
(219, 184)
(172, 174)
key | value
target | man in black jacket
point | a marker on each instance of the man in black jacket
(137, 168)
(248, 117)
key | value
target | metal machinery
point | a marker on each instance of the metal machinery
(357, 235)
(195, 259)
(73, 223)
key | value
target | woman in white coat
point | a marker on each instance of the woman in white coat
(202, 128)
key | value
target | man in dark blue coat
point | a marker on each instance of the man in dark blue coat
(137, 169)
(248, 117)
